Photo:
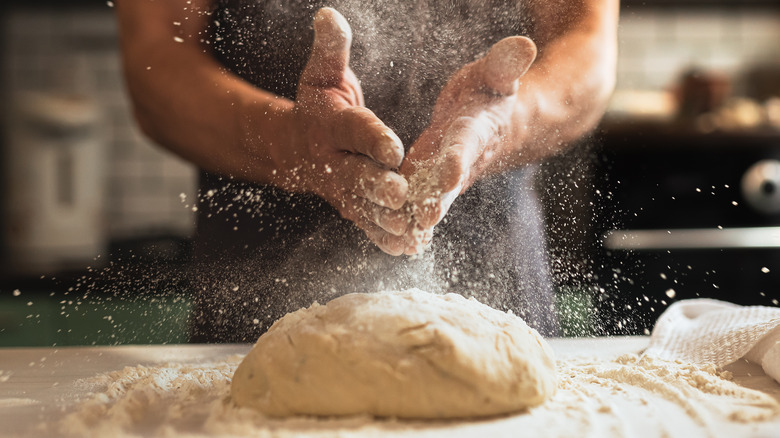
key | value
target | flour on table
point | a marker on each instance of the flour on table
(626, 396)
(406, 354)
(147, 401)
(14, 402)
(623, 396)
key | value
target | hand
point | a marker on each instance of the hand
(341, 151)
(472, 119)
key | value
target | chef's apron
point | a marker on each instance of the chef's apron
(261, 252)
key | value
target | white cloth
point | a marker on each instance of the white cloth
(705, 331)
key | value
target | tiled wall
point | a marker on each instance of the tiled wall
(657, 45)
(76, 51)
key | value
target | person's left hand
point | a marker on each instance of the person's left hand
(473, 116)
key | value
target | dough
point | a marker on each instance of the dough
(409, 354)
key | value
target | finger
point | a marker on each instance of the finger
(356, 91)
(422, 151)
(393, 245)
(352, 210)
(506, 62)
(363, 177)
(420, 238)
(395, 222)
(460, 147)
(330, 51)
(359, 130)
(450, 171)
(429, 211)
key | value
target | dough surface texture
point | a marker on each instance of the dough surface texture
(409, 354)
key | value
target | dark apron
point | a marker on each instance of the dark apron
(261, 252)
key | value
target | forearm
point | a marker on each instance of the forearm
(185, 101)
(564, 94)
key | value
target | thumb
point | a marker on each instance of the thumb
(506, 62)
(330, 52)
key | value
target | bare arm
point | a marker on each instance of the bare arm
(187, 102)
(566, 90)
(509, 109)
(324, 143)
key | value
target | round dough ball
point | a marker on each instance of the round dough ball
(409, 354)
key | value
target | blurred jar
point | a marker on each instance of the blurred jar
(701, 92)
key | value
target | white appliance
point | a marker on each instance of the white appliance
(54, 199)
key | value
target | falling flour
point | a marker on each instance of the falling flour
(628, 395)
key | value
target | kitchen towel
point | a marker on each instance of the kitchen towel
(705, 331)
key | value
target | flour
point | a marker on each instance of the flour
(425, 195)
(628, 395)
(15, 402)
(150, 400)
(699, 391)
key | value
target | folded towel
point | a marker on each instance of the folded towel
(705, 331)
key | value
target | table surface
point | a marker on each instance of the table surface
(37, 383)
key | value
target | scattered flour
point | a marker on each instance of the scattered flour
(424, 195)
(144, 401)
(15, 402)
(628, 395)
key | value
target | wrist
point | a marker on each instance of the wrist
(291, 168)
(268, 138)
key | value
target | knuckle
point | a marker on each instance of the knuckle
(350, 213)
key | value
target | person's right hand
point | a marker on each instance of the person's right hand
(340, 150)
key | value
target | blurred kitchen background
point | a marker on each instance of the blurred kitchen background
(89, 205)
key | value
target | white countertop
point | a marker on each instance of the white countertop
(39, 385)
